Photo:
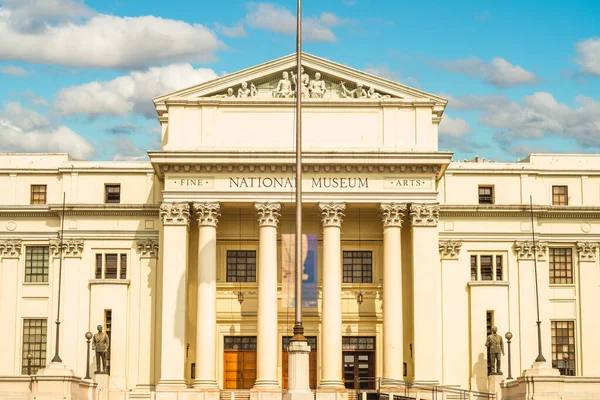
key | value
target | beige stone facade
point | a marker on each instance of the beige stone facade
(449, 243)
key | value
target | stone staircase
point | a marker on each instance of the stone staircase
(239, 394)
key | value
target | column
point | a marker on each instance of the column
(10, 251)
(175, 218)
(331, 361)
(207, 215)
(589, 276)
(266, 367)
(148, 249)
(393, 357)
(427, 314)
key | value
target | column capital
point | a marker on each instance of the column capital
(10, 248)
(424, 214)
(268, 213)
(392, 213)
(207, 214)
(332, 213)
(175, 213)
(524, 249)
(148, 248)
(70, 247)
(450, 249)
(587, 251)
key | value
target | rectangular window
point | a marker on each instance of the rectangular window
(38, 194)
(563, 346)
(37, 259)
(486, 195)
(358, 266)
(34, 342)
(561, 266)
(473, 268)
(112, 193)
(499, 268)
(108, 330)
(241, 266)
(486, 268)
(560, 195)
(111, 266)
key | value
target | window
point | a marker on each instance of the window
(36, 263)
(561, 266)
(486, 195)
(563, 346)
(241, 266)
(38, 194)
(489, 323)
(34, 342)
(560, 195)
(487, 267)
(108, 330)
(358, 266)
(358, 343)
(111, 266)
(240, 343)
(112, 194)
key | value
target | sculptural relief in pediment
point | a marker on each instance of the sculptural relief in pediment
(311, 84)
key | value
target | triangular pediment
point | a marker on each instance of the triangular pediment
(336, 81)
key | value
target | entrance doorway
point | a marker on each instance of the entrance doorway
(358, 360)
(239, 362)
(312, 361)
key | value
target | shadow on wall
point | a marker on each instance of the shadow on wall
(480, 374)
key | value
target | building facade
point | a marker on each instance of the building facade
(183, 260)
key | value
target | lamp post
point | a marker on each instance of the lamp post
(29, 357)
(508, 337)
(88, 336)
(565, 357)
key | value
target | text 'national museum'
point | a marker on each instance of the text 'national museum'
(187, 261)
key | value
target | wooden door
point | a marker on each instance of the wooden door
(359, 369)
(312, 362)
(239, 362)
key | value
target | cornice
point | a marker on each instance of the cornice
(307, 103)
(55, 210)
(519, 211)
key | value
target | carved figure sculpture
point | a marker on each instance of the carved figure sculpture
(372, 94)
(358, 93)
(496, 346)
(304, 82)
(243, 91)
(253, 90)
(317, 87)
(100, 344)
(228, 95)
(284, 87)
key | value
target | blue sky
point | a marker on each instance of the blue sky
(521, 76)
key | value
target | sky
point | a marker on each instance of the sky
(79, 76)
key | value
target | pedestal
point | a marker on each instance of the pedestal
(540, 380)
(57, 382)
(298, 366)
(103, 381)
(494, 382)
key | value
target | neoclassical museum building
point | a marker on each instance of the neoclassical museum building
(185, 261)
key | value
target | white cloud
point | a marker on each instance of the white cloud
(23, 130)
(498, 72)
(129, 93)
(538, 115)
(454, 126)
(234, 31)
(589, 56)
(33, 15)
(102, 41)
(15, 71)
(278, 19)
(125, 150)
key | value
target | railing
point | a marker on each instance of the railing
(402, 390)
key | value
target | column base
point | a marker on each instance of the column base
(265, 392)
(205, 384)
(175, 385)
(333, 393)
(389, 383)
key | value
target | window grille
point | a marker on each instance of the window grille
(34, 342)
(561, 266)
(38, 194)
(241, 266)
(37, 259)
(563, 343)
(358, 266)
(560, 195)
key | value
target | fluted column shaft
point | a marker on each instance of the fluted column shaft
(331, 362)
(175, 218)
(207, 215)
(266, 368)
(393, 344)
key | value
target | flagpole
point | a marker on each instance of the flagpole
(298, 328)
(540, 357)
